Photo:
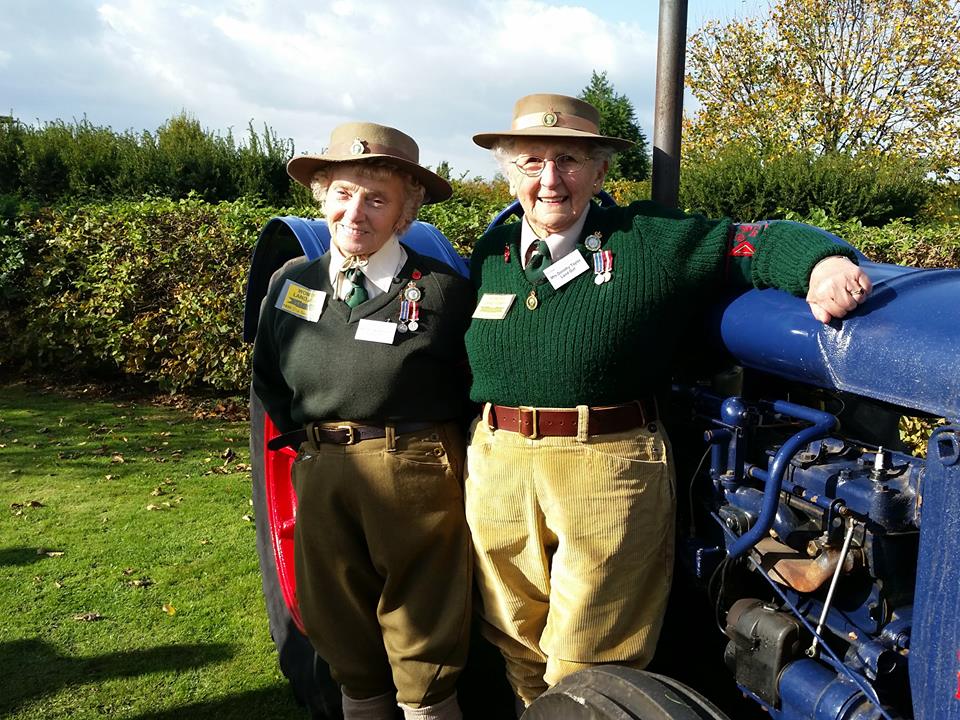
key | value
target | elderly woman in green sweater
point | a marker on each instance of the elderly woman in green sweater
(570, 487)
(359, 360)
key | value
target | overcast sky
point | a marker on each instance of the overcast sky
(440, 71)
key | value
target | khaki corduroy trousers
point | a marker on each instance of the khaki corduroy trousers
(574, 543)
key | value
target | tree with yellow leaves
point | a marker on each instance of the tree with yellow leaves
(831, 76)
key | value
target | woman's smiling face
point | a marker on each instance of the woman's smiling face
(553, 200)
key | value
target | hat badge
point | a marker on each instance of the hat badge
(358, 147)
(549, 119)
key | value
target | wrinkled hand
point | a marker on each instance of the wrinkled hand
(837, 286)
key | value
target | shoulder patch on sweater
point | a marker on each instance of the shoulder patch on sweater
(742, 238)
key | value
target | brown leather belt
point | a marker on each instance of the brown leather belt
(533, 422)
(341, 434)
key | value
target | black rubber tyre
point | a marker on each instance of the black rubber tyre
(610, 692)
(309, 676)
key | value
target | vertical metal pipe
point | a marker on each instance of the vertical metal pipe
(668, 112)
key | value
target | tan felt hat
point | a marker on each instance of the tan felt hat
(545, 115)
(363, 141)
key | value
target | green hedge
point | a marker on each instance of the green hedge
(79, 160)
(154, 289)
(741, 183)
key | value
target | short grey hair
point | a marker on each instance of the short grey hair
(414, 192)
(505, 151)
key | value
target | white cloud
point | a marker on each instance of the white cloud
(440, 70)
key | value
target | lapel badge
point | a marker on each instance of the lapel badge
(549, 119)
(358, 147)
(411, 292)
(593, 242)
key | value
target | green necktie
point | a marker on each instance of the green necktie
(539, 261)
(358, 293)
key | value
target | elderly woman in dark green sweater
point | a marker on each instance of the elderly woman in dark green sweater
(359, 360)
(570, 485)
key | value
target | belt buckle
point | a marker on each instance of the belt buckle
(534, 424)
(351, 434)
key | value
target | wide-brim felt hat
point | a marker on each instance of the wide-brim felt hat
(545, 115)
(365, 141)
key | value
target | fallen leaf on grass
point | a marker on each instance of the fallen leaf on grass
(204, 541)
(88, 617)
(169, 609)
(248, 517)
(129, 571)
(140, 582)
(228, 455)
(151, 506)
(49, 553)
(117, 458)
(34, 503)
(110, 477)
(157, 491)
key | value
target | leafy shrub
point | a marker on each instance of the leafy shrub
(944, 204)
(741, 183)
(151, 289)
(79, 161)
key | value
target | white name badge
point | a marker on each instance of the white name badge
(566, 269)
(376, 331)
(493, 306)
(301, 301)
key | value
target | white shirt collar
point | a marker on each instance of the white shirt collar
(560, 244)
(381, 268)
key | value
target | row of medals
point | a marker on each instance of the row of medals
(410, 308)
(602, 267)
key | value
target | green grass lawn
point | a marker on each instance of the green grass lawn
(129, 584)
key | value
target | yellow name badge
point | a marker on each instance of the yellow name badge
(493, 306)
(301, 301)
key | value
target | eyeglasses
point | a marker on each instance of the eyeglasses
(533, 166)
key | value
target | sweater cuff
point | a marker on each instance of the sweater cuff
(788, 253)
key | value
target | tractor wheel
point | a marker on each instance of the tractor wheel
(610, 692)
(275, 508)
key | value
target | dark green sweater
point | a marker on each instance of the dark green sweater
(305, 371)
(589, 344)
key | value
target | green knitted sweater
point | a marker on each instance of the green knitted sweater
(589, 344)
(305, 371)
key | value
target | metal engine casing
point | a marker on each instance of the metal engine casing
(795, 465)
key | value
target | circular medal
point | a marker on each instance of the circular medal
(532, 301)
(413, 325)
(412, 293)
(402, 327)
(598, 279)
(607, 275)
(357, 148)
(592, 242)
